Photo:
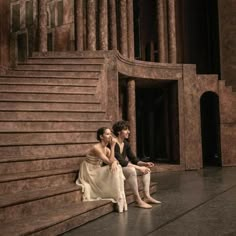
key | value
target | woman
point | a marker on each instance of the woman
(102, 182)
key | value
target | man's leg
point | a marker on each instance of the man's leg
(146, 185)
(131, 177)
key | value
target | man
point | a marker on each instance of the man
(132, 166)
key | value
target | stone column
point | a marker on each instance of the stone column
(130, 19)
(131, 82)
(112, 24)
(103, 25)
(132, 113)
(91, 24)
(171, 31)
(123, 28)
(4, 35)
(42, 6)
(79, 25)
(161, 31)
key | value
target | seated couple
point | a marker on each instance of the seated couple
(100, 182)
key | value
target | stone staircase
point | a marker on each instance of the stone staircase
(50, 108)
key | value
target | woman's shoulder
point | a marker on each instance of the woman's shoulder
(94, 149)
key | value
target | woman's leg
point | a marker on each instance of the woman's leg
(122, 188)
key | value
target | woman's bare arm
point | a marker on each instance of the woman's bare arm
(99, 153)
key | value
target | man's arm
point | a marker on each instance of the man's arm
(133, 159)
(119, 157)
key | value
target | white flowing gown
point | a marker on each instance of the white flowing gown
(100, 183)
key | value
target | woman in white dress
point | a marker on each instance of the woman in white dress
(102, 182)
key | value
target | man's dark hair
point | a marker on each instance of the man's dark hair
(101, 131)
(119, 126)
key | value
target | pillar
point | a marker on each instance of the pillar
(4, 35)
(161, 31)
(79, 25)
(131, 82)
(91, 24)
(123, 28)
(112, 24)
(103, 25)
(171, 31)
(132, 113)
(42, 6)
(130, 22)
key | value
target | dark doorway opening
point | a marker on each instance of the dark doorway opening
(157, 122)
(210, 126)
(22, 47)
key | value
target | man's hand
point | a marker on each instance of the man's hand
(149, 164)
(144, 169)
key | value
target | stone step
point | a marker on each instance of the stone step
(29, 181)
(51, 115)
(21, 166)
(26, 203)
(39, 88)
(46, 150)
(38, 126)
(4, 79)
(63, 74)
(19, 200)
(48, 106)
(60, 67)
(63, 60)
(48, 97)
(63, 219)
(43, 138)
(58, 221)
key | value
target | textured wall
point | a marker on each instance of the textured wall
(227, 20)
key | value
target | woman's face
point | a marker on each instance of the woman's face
(124, 133)
(106, 137)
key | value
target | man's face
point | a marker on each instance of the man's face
(124, 133)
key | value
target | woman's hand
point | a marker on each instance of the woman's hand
(113, 141)
(144, 169)
(114, 166)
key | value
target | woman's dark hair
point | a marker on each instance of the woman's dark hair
(101, 131)
(119, 126)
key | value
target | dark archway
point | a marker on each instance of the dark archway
(210, 127)
(157, 122)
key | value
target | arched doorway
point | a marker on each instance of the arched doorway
(210, 127)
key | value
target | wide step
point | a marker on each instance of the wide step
(50, 115)
(40, 80)
(55, 222)
(32, 126)
(48, 88)
(30, 181)
(7, 139)
(49, 97)
(48, 106)
(63, 74)
(58, 221)
(62, 67)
